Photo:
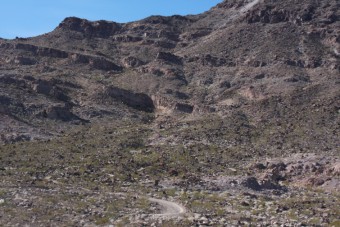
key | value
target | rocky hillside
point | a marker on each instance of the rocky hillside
(245, 80)
(274, 63)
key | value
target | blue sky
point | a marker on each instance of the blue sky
(26, 18)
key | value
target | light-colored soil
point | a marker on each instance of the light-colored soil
(168, 209)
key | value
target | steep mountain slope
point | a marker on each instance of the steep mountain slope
(175, 98)
(235, 54)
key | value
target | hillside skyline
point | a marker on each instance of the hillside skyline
(34, 18)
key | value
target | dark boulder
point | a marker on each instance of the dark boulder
(252, 183)
(182, 107)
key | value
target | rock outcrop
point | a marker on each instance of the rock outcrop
(102, 29)
(103, 64)
(95, 62)
(137, 101)
(168, 105)
(132, 62)
(50, 89)
(300, 170)
(60, 112)
(168, 57)
(41, 51)
(20, 60)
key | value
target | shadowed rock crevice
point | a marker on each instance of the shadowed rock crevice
(137, 101)
(61, 113)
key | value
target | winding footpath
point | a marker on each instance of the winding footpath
(168, 209)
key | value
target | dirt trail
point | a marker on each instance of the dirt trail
(168, 209)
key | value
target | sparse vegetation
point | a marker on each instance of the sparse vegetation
(232, 117)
